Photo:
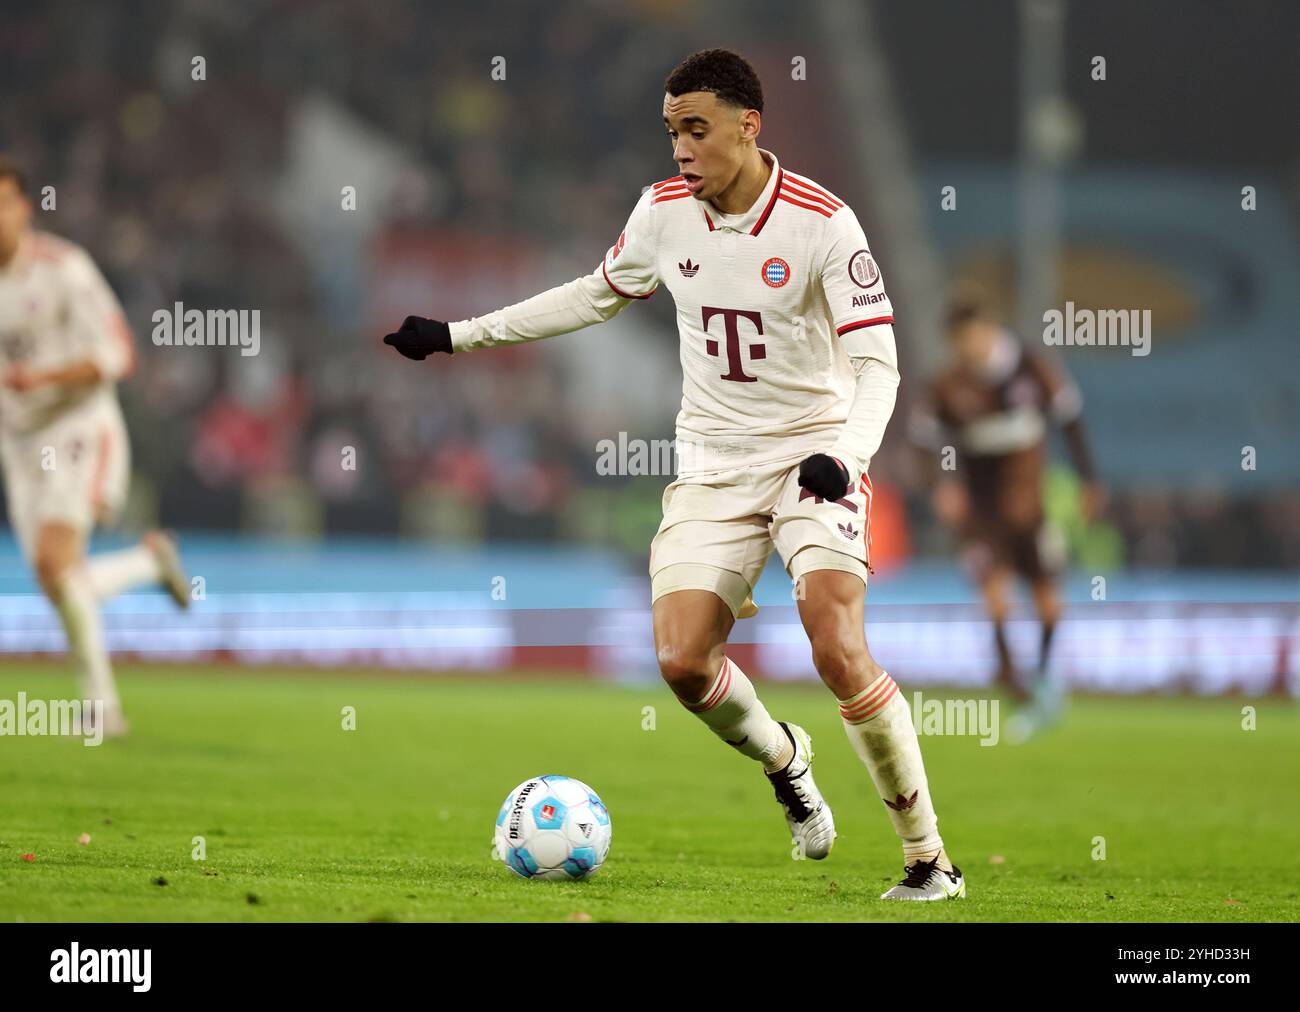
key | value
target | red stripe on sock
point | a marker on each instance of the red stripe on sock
(874, 710)
(721, 686)
(871, 703)
(869, 695)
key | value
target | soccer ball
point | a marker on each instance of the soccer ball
(552, 827)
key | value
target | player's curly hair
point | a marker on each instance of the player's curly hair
(9, 170)
(728, 75)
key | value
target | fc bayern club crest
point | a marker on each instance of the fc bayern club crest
(863, 270)
(776, 272)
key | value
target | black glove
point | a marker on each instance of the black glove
(824, 476)
(418, 338)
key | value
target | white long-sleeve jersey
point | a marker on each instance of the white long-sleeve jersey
(787, 341)
(56, 309)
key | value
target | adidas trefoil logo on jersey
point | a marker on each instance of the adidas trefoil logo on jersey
(688, 269)
(847, 530)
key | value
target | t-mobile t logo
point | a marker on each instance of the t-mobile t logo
(735, 366)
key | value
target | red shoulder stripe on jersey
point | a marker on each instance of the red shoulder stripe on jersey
(619, 292)
(806, 194)
(803, 200)
(859, 324)
(671, 195)
(808, 184)
(767, 211)
(664, 182)
(799, 203)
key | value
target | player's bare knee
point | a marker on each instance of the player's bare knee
(688, 670)
(843, 662)
(50, 569)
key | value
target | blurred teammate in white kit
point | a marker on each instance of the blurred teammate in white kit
(64, 345)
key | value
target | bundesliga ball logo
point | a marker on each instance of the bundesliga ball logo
(776, 272)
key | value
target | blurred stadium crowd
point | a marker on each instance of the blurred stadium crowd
(177, 187)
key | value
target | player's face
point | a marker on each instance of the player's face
(973, 342)
(709, 140)
(15, 214)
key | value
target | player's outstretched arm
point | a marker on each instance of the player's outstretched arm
(625, 275)
(580, 303)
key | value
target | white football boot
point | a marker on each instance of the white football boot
(812, 827)
(924, 880)
(172, 574)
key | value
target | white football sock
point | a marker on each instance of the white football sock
(879, 725)
(79, 609)
(733, 711)
(113, 572)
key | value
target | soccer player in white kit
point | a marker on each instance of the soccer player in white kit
(64, 344)
(789, 378)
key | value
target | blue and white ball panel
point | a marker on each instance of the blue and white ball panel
(520, 861)
(582, 861)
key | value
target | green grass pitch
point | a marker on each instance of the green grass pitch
(303, 820)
